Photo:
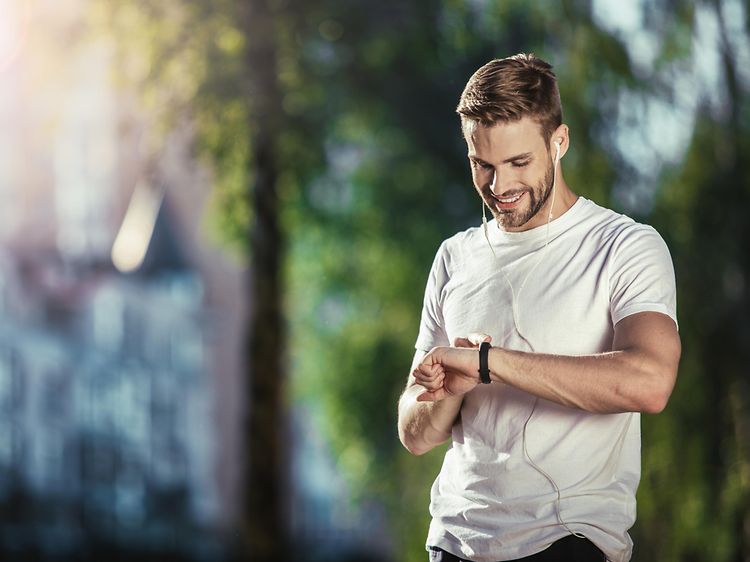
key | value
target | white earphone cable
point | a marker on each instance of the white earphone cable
(484, 226)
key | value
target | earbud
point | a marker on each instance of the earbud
(558, 143)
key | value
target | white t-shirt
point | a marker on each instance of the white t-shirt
(489, 502)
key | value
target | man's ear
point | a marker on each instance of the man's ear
(560, 137)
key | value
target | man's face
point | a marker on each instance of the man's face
(512, 170)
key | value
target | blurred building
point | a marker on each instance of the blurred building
(108, 379)
(120, 334)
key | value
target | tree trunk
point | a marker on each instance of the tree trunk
(264, 526)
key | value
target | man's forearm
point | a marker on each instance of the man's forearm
(605, 383)
(424, 425)
(638, 376)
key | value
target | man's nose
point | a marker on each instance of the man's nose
(495, 184)
(500, 185)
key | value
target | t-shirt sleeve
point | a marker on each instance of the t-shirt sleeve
(642, 275)
(432, 325)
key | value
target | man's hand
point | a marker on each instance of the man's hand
(450, 371)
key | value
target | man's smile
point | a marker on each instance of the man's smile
(508, 202)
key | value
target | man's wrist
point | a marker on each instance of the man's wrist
(498, 358)
(465, 360)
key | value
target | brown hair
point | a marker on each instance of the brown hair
(509, 89)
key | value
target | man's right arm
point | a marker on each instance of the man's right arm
(424, 425)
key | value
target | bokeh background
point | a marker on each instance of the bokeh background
(216, 223)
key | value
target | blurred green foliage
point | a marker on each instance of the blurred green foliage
(373, 176)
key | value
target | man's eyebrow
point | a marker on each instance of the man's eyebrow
(515, 158)
(524, 156)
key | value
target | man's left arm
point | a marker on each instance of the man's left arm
(637, 376)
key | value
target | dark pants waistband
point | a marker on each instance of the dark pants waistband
(567, 549)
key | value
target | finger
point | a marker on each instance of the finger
(432, 387)
(432, 381)
(430, 376)
(478, 337)
(430, 370)
(462, 342)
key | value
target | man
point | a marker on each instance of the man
(574, 308)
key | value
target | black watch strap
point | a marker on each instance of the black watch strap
(484, 367)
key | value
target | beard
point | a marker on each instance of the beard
(538, 196)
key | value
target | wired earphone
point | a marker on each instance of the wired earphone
(517, 324)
